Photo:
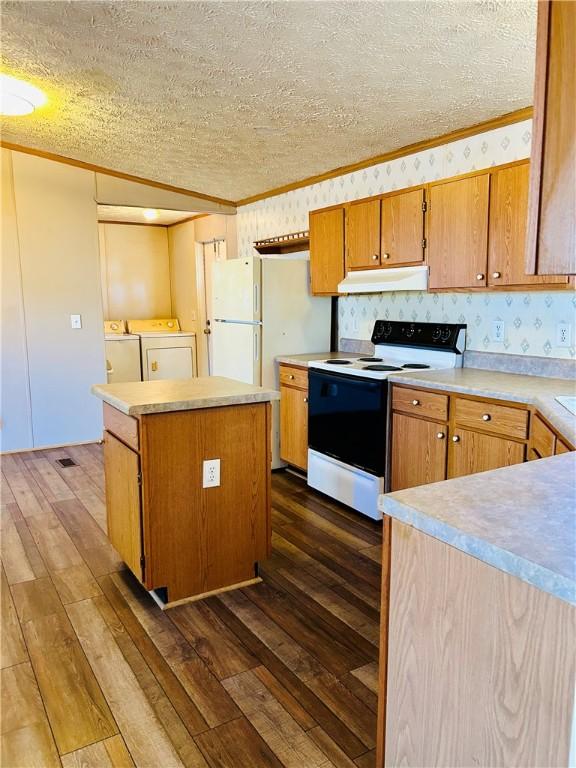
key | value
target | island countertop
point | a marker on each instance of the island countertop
(520, 519)
(146, 397)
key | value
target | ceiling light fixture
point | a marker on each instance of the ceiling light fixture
(150, 214)
(18, 97)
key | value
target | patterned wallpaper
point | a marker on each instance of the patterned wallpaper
(530, 318)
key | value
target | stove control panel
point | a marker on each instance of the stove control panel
(448, 336)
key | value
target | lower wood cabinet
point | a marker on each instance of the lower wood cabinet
(437, 435)
(419, 451)
(123, 503)
(472, 452)
(294, 416)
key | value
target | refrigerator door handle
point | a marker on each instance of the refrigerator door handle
(256, 351)
(256, 302)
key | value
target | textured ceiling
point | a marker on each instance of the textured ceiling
(235, 98)
(130, 215)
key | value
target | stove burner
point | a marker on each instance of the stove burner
(369, 359)
(381, 368)
(415, 365)
(335, 361)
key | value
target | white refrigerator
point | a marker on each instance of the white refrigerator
(262, 308)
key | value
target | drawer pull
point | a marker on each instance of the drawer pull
(415, 402)
(440, 435)
(291, 376)
(480, 276)
(486, 417)
(456, 439)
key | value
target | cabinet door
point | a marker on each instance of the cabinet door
(402, 237)
(326, 250)
(363, 235)
(294, 426)
(122, 468)
(551, 245)
(458, 233)
(472, 452)
(418, 452)
(507, 229)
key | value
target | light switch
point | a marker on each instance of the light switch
(75, 321)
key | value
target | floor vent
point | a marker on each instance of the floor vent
(66, 462)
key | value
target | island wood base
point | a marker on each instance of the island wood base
(480, 665)
(173, 534)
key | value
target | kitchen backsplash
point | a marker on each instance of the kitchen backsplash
(530, 318)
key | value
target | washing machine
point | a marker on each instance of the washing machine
(122, 353)
(166, 351)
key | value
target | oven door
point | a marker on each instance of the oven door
(347, 419)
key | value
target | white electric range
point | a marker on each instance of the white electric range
(348, 407)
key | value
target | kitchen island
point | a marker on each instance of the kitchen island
(188, 466)
(479, 619)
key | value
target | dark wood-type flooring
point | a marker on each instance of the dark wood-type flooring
(94, 674)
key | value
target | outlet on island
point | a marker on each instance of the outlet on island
(211, 473)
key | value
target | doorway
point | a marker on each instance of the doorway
(206, 254)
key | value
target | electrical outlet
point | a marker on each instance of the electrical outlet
(75, 321)
(563, 334)
(498, 331)
(211, 473)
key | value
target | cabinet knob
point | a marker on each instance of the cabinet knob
(456, 439)
(486, 417)
(480, 276)
(375, 257)
(496, 275)
(291, 376)
(385, 255)
(305, 399)
(415, 402)
(440, 435)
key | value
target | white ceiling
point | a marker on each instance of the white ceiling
(123, 214)
(235, 98)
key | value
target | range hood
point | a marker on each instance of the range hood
(379, 280)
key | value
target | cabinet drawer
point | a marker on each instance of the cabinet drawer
(499, 419)
(124, 427)
(542, 439)
(419, 402)
(294, 377)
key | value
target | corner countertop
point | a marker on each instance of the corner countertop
(539, 391)
(519, 519)
(145, 397)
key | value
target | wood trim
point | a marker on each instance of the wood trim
(384, 629)
(109, 172)
(498, 122)
(540, 89)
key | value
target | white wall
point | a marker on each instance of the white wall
(182, 250)
(530, 317)
(135, 271)
(58, 248)
(218, 228)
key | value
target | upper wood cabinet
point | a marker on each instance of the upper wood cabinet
(326, 250)
(363, 235)
(402, 228)
(507, 229)
(458, 232)
(551, 243)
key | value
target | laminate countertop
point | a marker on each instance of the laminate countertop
(303, 360)
(519, 519)
(539, 391)
(145, 397)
